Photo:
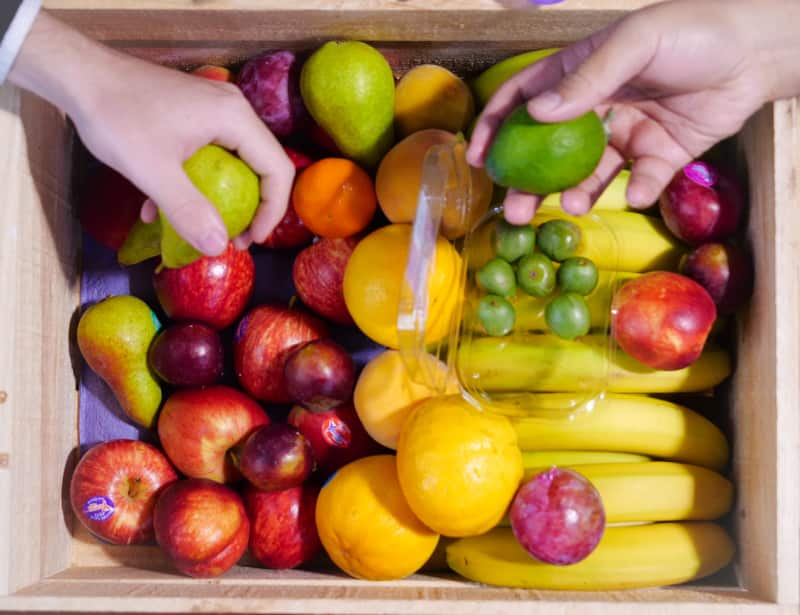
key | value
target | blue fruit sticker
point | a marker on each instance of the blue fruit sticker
(240, 330)
(336, 433)
(99, 508)
(156, 322)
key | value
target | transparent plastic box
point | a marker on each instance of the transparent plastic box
(530, 371)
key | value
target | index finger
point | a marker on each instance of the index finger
(258, 147)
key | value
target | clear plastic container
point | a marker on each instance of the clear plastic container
(529, 371)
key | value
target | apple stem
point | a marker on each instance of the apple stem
(133, 487)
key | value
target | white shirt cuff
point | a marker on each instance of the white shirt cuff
(16, 34)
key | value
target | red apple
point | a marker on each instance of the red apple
(271, 82)
(202, 526)
(213, 289)
(114, 488)
(662, 319)
(337, 436)
(702, 204)
(187, 355)
(264, 338)
(198, 428)
(318, 274)
(276, 457)
(320, 375)
(283, 530)
(724, 270)
(109, 206)
(214, 73)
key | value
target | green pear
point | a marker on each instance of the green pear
(114, 336)
(143, 242)
(229, 184)
(348, 87)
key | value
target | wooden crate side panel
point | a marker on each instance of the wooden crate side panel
(343, 5)
(38, 263)
(787, 301)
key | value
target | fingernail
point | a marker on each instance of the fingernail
(215, 242)
(548, 101)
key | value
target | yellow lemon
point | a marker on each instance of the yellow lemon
(374, 278)
(366, 526)
(385, 393)
(458, 467)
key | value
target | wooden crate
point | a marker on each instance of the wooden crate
(48, 564)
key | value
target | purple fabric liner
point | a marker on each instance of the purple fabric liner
(101, 417)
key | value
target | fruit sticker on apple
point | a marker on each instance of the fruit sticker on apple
(114, 489)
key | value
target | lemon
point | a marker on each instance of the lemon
(458, 467)
(385, 393)
(374, 278)
(544, 158)
(366, 526)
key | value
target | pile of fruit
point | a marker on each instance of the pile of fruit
(273, 440)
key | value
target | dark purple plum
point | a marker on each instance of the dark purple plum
(271, 82)
(187, 355)
(275, 457)
(558, 517)
(320, 375)
(724, 270)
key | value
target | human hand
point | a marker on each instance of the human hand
(680, 76)
(145, 120)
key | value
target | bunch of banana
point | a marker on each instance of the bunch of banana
(647, 555)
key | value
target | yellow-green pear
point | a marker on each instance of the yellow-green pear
(114, 336)
(348, 87)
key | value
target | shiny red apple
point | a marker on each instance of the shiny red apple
(320, 375)
(276, 457)
(114, 488)
(337, 436)
(662, 319)
(264, 338)
(198, 428)
(283, 530)
(724, 270)
(702, 204)
(202, 526)
(318, 275)
(213, 289)
(187, 355)
(109, 206)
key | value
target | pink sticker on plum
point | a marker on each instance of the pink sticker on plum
(336, 433)
(700, 173)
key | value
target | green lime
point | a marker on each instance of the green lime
(512, 242)
(577, 275)
(559, 239)
(496, 314)
(568, 316)
(536, 275)
(497, 277)
(544, 158)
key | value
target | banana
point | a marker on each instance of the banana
(536, 461)
(635, 556)
(622, 240)
(613, 198)
(486, 84)
(658, 491)
(626, 423)
(546, 363)
(613, 240)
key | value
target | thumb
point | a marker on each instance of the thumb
(618, 55)
(188, 210)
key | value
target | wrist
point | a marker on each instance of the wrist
(59, 64)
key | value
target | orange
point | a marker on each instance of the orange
(334, 197)
(373, 281)
(399, 179)
(366, 526)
